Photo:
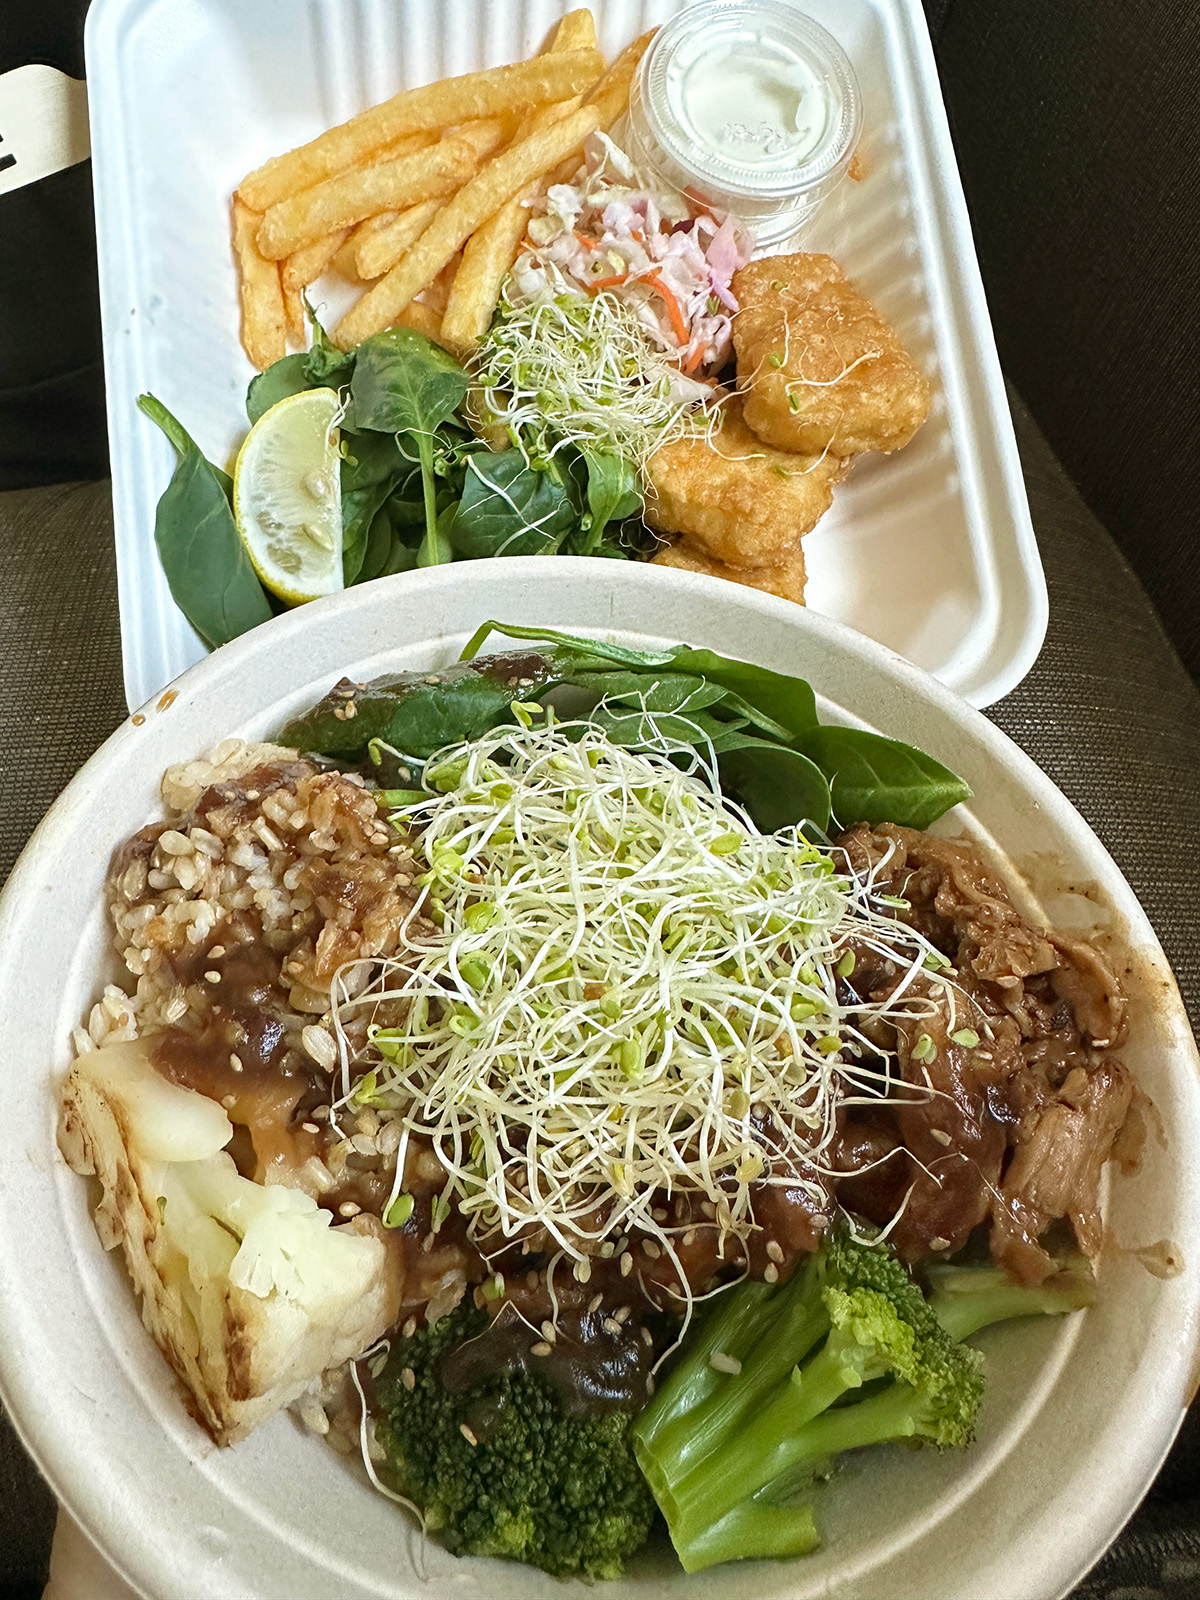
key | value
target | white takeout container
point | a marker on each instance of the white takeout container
(931, 552)
(1078, 1414)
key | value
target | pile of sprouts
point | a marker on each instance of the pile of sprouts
(580, 370)
(618, 992)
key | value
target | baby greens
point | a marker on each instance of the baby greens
(772, 752)
(206, 565)
(418, 486)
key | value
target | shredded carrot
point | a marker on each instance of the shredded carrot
(588, 244)
(652, 281)
(693, 361)
(674, 310)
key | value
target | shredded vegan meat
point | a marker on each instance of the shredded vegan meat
(1022, 1104)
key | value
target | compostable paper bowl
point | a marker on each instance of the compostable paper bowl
(1078, 1414)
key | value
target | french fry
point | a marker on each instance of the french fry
(293, 310)
(339, 202)
(343, 262)
(494, 92)
(421, 319)
(306, 265)
(611, 95)
(477, 200)
(491, 251)
(437, 293)
(264, 320)
(377, 249)
(484, 137)
(575, 31)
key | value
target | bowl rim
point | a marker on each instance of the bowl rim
(227, 667)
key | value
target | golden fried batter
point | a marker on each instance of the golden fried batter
(784, 576)
(739, 500)
(821, 369)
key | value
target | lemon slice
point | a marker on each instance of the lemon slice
(287, 497)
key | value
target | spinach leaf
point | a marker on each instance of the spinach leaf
(655, 692)
(612, 488)
(359, 510)
(205, 562)
(403, 383)
(378, 547)
(781, 706)
(597, 650)
(284, 377)
(403, 558)
(369, 458)
(419, 712)
(778, 786)
(873, 779)
(438, 550)
(180, 438)
(326, 365)
(789, 702)
(510, 508)
(637, 729)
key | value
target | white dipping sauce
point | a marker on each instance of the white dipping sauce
(752, 101)
(748, 107)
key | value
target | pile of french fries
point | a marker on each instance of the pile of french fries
(424, 200)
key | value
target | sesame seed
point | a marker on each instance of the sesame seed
(650, 1249)
(408, 1378)
(229, 1101)
(583, 1270)
(539, 1349)
(212, 977)
(217, 951)
(468, 1435)
(348, 1208)
(774, 1250)
(939, 1243)
(311, 1127)
(647, 1337)
(594, 1303)
(688, 1239)
(626, 1264)
(427, 1244)
(940, 1135)
(409, 1328)
(623, 1314)
(235, 1063)
(719, 1361)
(771, 1273)
(611, 1326)
(548, 1331)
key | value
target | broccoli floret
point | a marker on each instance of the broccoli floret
(967, 1298)
(848, 1353)
(501, 1467)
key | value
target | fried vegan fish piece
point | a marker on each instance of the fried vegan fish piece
(739, 501)
(784, 576)
(820, 367)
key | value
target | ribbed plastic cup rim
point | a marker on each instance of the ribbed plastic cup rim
(804, 35)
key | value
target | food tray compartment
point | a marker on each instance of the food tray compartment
(931, 553)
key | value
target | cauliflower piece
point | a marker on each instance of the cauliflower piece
(247, 1290)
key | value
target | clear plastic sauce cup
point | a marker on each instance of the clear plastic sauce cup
(745, 106)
